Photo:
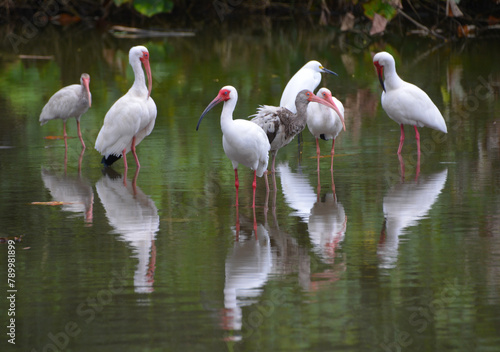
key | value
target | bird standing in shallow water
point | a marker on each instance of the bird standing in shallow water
(70, 101)
(281, 125)
(243, 141)
(131, 118)
(404, 102)
(324, 122)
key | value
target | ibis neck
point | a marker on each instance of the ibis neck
(301, 117)
(392, 80)
(84, 94)
(226, 118)
(140, 80)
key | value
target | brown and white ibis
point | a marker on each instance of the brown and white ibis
(404, 102)
(324, 122)
(70, 101)
(132, 117)
(281, 125)
(243, 141)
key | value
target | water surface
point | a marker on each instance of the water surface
(376, 256)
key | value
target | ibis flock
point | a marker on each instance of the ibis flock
(245, 141)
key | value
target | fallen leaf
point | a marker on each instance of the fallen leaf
(378, 24)
(347, 22)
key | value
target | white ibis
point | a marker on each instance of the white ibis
(404, 102)
(281, 125)
(243, 141)
(308, 77)
(131, 118)
(324, 122)
(70, 101)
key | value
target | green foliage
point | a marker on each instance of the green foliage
(382, 7)
(149, 7)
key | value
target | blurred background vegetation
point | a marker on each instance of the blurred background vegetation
(441, 19)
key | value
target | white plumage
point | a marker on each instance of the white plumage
(323, 122)
(308, 77)
(132, 117)
(70, 101)
(243, 141)
(404, 102)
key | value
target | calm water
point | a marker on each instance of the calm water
(376, 257)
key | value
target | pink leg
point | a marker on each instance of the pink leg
(126, 167)
(318, 187)
(254, 186)
(125, 159)
(64, 129)
(402, 167)
(65, 135)
(237, 224)
(132, 148)
(255, 224)
(80, 159)
(274, 159)
(80, 133)
(236, 185)
(402, 139)
(333, 152)
(318, 154)
(417, 137)
(267, 181)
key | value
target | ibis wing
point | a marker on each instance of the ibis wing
(63, 104)
(121, 123)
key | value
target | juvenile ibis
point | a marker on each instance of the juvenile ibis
(70, 101)
(324, 122)
(281, 125)
(404, 102)
(132, 117)
(243, 141)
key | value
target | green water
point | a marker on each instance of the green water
(387, 263)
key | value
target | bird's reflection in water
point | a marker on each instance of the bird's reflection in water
(325, 217)
(73, 191)
(247, 268)
(404, 205)
(134, 217)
